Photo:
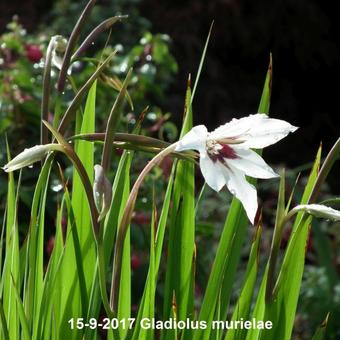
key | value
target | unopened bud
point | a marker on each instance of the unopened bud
(30, 156)
(319, 210)
(58, 50)
(102, 191)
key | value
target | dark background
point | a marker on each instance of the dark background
(301, 34)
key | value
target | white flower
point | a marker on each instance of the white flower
(226, 156)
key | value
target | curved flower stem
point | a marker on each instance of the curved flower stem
(117, 260)
(105, 25)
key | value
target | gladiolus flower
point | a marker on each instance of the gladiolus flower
(226, 156)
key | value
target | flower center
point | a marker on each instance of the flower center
(218, 151)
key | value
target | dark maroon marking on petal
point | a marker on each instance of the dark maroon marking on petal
(227, 152)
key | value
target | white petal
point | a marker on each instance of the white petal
(244, 191)
(266, 133)
(257, 131)
(236, 127)
(213, 173)
(252, 164)
(195, 139)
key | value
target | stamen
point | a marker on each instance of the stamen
(220, 152)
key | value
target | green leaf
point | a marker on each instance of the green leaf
(147, 307)
(267, 89)
(72, 301)
(110, 229)
(286, 292)
(52, 284)
(242, 308)
(3, 322)
(277, 236)
(124, 305)
(21, 312)
(33, 284)
(321, 331)
(181, 235)
(11, 267)
(153, 272)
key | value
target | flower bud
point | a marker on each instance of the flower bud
(102, 191)
(30, 156)
(319, 210)
(59, 46)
